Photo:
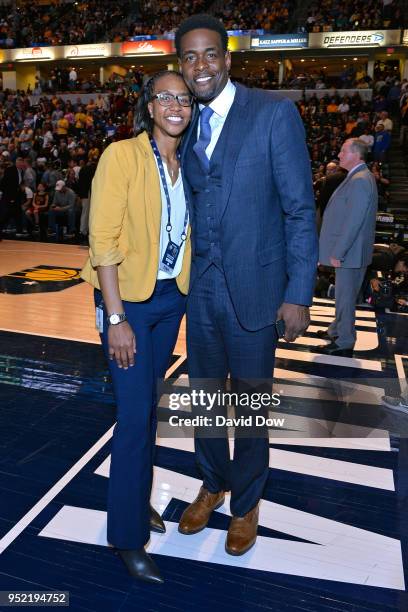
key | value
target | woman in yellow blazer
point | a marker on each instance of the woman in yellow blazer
(139, 264)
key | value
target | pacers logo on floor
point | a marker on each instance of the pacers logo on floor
(40, 279)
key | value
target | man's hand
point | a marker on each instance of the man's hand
(297, 319)
(375, 284)
(336, 263)
(122, 344)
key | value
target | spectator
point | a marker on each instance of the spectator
(40, 204)
(391, 291)
(86, 175)
(27, 209)
(385, 121)
(368, 138)
(29, 176)
(62, 208)
(335, 175)
(382, 141)
(382, 186)
(344, 106)
(404, 123)
(10, 204)
(73, 77)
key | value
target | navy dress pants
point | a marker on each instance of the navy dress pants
(217, 346)
(155, 324)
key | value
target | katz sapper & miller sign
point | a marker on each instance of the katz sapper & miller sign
(342, 40)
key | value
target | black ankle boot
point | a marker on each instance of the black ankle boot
(140, 565)
(156, 521)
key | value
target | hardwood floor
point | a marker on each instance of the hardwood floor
(67, 314)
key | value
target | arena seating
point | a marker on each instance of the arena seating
(92, 21)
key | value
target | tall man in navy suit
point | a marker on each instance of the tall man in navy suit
(252, 211)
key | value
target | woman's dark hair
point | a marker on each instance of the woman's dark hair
(143, 121)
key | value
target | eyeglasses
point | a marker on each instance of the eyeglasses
(167, 99)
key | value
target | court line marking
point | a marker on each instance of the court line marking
(19, 527)
(401, 371)
(54, 335)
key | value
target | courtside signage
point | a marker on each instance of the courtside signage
(147, 47)
(369, 38)
(31, 53)
(280, 41)
(97, 50)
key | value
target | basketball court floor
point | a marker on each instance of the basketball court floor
(333, 531)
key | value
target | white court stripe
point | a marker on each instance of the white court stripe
(343, 393)
(348, 362)
(371, 444)
(321, 381)
(175, 365)
(11, 535)
(53, 492)
(365, 341)
(332, 469)
(359, 322)
(317, 300)
(401, 371)
(54, 335)
(329, 310)
(309, 465)
(339, 551)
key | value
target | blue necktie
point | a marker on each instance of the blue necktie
(205, 137)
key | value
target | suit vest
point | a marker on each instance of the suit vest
(206, 188)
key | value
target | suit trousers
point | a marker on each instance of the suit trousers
(347, 286)
(217, 344)
(155, 323)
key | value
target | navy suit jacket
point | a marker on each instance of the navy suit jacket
(268, 216)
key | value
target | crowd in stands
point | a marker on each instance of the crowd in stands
(48, 154)
(91, 21)
(330, 120)
(62, 23)
(164, 16)
(246, 15)
(53, 140)
(60, 80)
(346, 15)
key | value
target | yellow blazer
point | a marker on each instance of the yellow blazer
(124, 221)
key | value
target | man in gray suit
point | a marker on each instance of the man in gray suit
(346, 242)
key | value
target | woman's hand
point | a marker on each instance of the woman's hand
(122, 344)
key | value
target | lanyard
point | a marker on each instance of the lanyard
(166, 192)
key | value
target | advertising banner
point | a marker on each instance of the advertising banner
(343, 40)
(32, 53)
(280, 41)
(147, 47)
(94, 50)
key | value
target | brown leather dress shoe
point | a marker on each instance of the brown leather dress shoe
(242, 532)
(196, 516)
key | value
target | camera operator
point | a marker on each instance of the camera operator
(392, 291)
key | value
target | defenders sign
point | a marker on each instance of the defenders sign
(342, 40)
(280, 41)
